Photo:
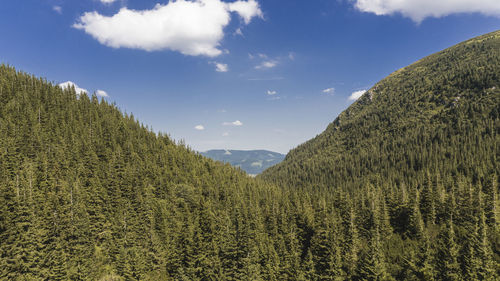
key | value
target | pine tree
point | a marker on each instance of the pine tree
(491, 201)
(427, 201)
(448, 266)
(486, 268)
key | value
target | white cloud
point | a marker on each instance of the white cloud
(57, 9)
(235, 123)
(190, 27)
(329, 91)
(356, 95)
(267, 64)
(107, 1)
(69, 84)
(101, 93)
(221, 67)
(269, 92)
(225, 134)
(418, 10)
(246, 9)
(199, 127)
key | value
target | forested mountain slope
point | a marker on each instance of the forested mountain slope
(420, 152)
(438, 115)
(87, 193)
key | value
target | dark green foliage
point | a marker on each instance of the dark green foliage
(402, 186)
(420, 150)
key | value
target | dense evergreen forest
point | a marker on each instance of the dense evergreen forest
(403, 185)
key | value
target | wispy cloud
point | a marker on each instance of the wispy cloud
(57, 9)
(274, 98)
(199, 127)
(235, 123)
(266, 79)
(267, 64)
(418, 10)
(221, 67)
(238, 32)
(271, 93)
(329, 91)
(107, 1)
(190, 27)
(356, 95)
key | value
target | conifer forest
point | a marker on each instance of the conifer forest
(403, 185)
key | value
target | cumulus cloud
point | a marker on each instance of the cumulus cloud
(107, 1)
(235, 123)
(69, 84)
(199, 127)
(266, 64)
(271, 93)
(221, 67)
(189, 27)
(57, 9)
(418, 10)
(246, 9)
(329, 91)
(102, 93)
(356, 95)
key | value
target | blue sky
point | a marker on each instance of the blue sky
(256, 74)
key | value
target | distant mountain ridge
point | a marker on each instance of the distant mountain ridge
(251, 161)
